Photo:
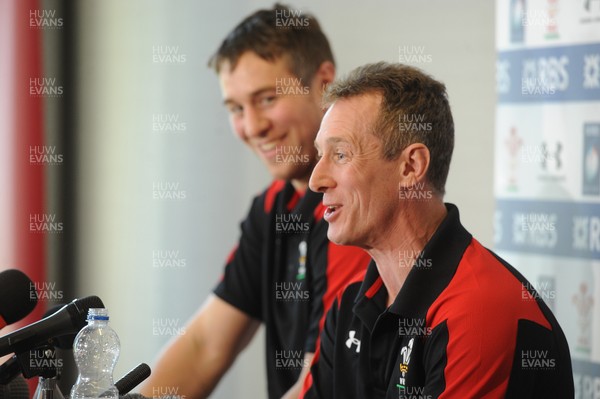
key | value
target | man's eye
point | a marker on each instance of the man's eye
(340, 156)
(268, 100)
(234, 109)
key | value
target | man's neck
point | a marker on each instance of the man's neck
(395, 256)
(300, 185)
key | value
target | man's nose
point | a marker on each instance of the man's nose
(255, 123)
(321, 179)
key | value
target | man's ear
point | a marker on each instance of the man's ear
(324, 75)
(414, 164)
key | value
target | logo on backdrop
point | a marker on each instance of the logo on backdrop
(551, 162)
(518, 10)
(591, 71)
(546, 287)
(551, 24)
(584, 303)
(590, 13)
(551, 157)
(589, 5)
(591, 159)
(513, 145)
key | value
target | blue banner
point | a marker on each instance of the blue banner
(550, 228)
(552, 74)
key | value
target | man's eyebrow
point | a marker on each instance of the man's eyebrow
(331, 140)
(335, 140)
(255, 93)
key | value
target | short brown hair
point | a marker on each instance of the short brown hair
(411, 94)
(271, 34)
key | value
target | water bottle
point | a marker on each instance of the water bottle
(96, 350)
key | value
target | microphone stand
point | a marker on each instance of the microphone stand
(42, 362)
(48, 389)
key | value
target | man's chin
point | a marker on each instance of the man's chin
(339, 238)
(336, 238)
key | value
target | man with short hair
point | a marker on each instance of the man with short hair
(284, 272)
(437, 315)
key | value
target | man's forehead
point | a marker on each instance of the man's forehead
(249, 77)
(349, 120)
(358, 111)
(250, 59)
(360, 105)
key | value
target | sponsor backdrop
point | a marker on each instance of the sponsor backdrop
(547, 164)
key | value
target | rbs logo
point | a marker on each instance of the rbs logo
(544, 75)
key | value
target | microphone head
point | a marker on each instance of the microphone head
(69, 319)
(133, 378)
(61, 341)
(78, 309)
(16, 389)
(17, 296)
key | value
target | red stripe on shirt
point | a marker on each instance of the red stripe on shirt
(319, 212)
(481, 341)
(374, 288)
(232, 254)
(346, 265)
(308, 381)
(229, 260)
(272, 192)
(294, 200)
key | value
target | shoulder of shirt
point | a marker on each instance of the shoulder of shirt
(268, 196)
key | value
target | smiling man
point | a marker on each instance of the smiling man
(284, 272)
(437, 315)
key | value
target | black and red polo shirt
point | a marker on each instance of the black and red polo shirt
(465, 324)
(285, 273)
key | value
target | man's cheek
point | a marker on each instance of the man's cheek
(238, 131)
(279, 117)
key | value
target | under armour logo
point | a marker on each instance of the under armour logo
(555, 155)
(587, 5)
(591, 71)
(353, 341)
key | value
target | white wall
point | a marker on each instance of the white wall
(121, 224)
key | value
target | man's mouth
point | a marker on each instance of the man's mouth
(266, 147)
(269, 148)
(331, 211)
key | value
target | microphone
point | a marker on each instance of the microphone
(40, 361)
(133, 378)
(17, 389)
(18, 364)
(62, 341)
(9, 370)
(69, 319)
(17, 296)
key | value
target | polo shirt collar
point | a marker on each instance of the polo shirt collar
(424, 283)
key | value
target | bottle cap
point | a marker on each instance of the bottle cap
(97, 314)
